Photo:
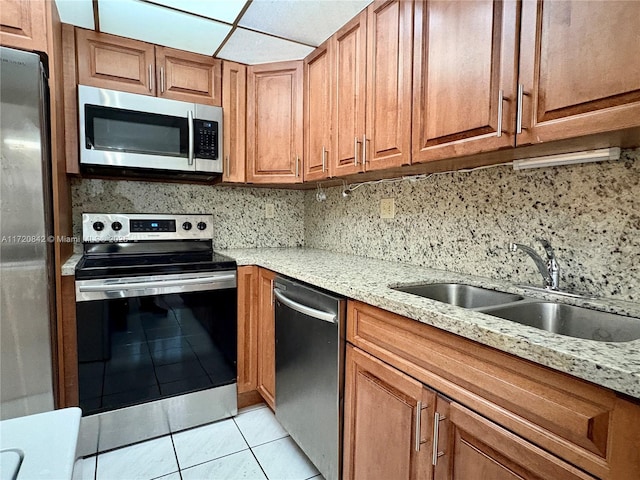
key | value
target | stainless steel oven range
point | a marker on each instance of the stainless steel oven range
(156, 328)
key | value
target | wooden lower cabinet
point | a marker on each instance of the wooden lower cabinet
(497, 416)
(389, 432)
(266, 337)
(385, 411)
(247, 281)
(472, 447)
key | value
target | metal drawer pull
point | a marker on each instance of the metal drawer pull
(161, 79)
(520, 105)
(364, 149)
(298, 307)
(436, 430)
(418, 424)
(324, 159)
(500, 102)
(150, 78)
(355, 150)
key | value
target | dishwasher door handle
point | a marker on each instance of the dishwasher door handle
(298, 307)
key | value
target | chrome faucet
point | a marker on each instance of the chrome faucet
(549, 270)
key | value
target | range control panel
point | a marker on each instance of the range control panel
(122, 227)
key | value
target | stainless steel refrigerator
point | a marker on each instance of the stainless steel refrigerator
(26, 255)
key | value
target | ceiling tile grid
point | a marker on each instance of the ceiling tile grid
(253, 32)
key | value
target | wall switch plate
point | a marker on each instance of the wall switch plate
(269, 210)
(387, 208)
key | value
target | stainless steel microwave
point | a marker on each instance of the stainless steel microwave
(142, 133)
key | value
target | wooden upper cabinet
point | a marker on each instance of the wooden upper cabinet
(387, 422)
(188, 77)
(274, 122)
(579, 68)
(470, 446)
(234, 111)
(116, 63)
(349, 47)
(387, 141)
(23, 24)
(317, 113)
(465, 74)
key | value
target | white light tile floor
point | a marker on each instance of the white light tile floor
(251, 446)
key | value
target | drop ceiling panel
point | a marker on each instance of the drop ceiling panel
(224, 10)
(163, 26)
(306, 21)
(76, 12)
(249, 47)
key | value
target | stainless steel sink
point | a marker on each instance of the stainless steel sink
(571, 321)
(461, 295)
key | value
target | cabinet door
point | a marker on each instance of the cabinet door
(266, 337)
(579, 68)
(470, 446)
(317, 113)
(247, 328)
(117, 63)
(23, 25)
(387, 422)
(188, 77)
(349, 47)
(274, 123)
(234, 111)
(389, 60)
(465, 61)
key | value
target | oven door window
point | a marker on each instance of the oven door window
(114, 129)
(135, 350)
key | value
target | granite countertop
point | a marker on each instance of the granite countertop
(612, 365)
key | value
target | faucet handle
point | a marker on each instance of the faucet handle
(547, 248)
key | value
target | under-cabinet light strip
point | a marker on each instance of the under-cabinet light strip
(598, 155)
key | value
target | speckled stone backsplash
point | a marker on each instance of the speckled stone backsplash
(238, 213)
(464, 222)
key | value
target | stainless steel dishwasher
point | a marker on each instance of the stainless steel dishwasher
(310, 371)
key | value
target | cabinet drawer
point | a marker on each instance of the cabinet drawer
(567, 416)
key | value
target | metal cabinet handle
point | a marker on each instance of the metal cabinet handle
(227, 165)
(272, 291)
(161, 79)
(500, 102)
(297, 165)
(418, 424)
(520, 105)
(303, 309)
(190, 123)
(355, 150)
(324, 159)
(150, 74)
(436, 431)
(364, 149)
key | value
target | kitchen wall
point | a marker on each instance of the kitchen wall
(238, 213)
(463, 222)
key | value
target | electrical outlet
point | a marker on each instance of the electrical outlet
(387, 208)
(269, 210)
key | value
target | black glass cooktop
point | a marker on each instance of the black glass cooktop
(109, 266)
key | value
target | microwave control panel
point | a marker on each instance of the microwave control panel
(205, 139)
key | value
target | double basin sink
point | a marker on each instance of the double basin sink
(568, 320)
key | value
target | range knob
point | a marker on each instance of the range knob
(117, 226)
(98, 226)
(202, 225)
(187, 225)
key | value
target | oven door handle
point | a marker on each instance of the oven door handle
(303, 309)
(119, 287)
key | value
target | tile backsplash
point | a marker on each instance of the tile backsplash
(464, 222)
(238, 213)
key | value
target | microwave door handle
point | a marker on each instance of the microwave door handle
(191, 133)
